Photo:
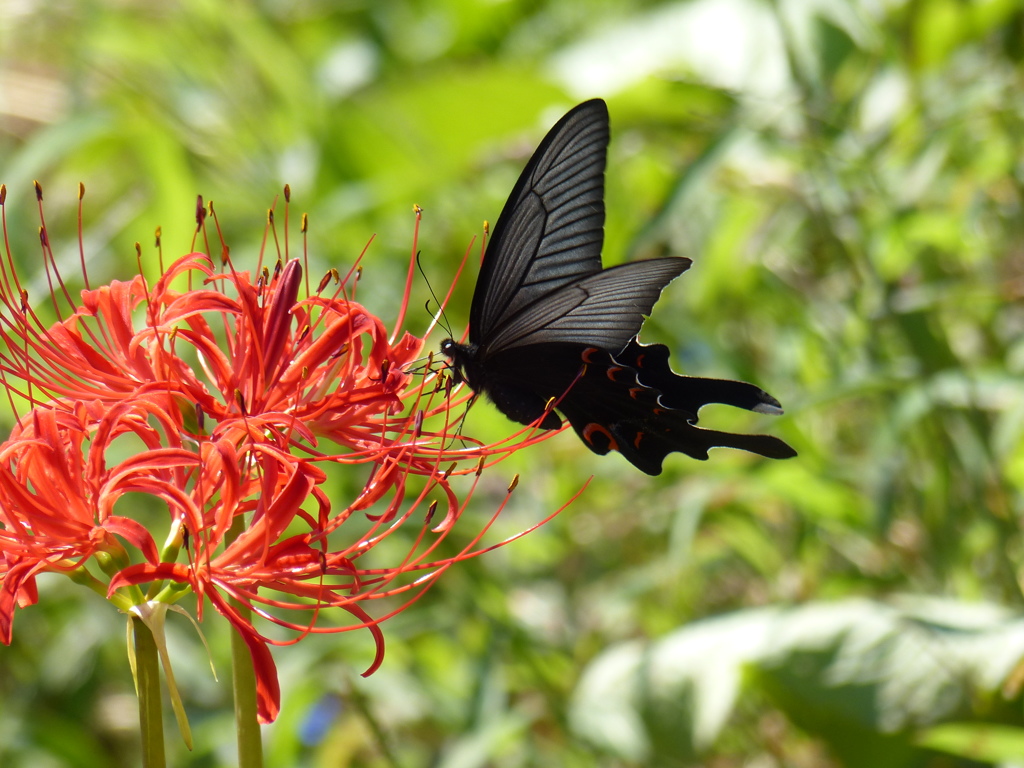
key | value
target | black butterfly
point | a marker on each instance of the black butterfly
(549, 326)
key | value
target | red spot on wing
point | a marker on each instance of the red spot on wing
(588, 353)
(592, 428)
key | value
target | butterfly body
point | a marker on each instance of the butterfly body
(551, 329)
(524, 402)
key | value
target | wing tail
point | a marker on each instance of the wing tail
(691, 393)
(612, 408)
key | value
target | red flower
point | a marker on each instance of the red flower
(57, 497)
(239, 400)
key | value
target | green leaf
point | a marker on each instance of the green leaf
(860, 675)
(976, 741)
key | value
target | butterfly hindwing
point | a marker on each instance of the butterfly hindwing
(611, 405)
(612, 408)
(692, 393)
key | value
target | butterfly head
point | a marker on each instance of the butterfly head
(460, 356)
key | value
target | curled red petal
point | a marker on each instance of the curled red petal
(135, 534)
(18, 588)
(143, 573)
(268, 690)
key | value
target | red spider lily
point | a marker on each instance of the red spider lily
(57, 496)
(237, 400)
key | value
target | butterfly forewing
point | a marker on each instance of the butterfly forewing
(551, 230)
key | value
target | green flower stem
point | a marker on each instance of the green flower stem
(151, 722)
(82, 576)
(250, 740)
(243, 676)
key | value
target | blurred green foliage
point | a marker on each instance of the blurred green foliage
(847, 177)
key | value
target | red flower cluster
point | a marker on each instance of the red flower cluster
(211, 408)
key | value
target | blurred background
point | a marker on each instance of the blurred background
(847, 178)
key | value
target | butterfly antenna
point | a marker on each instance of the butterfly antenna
(420, 366)
(438, 318)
